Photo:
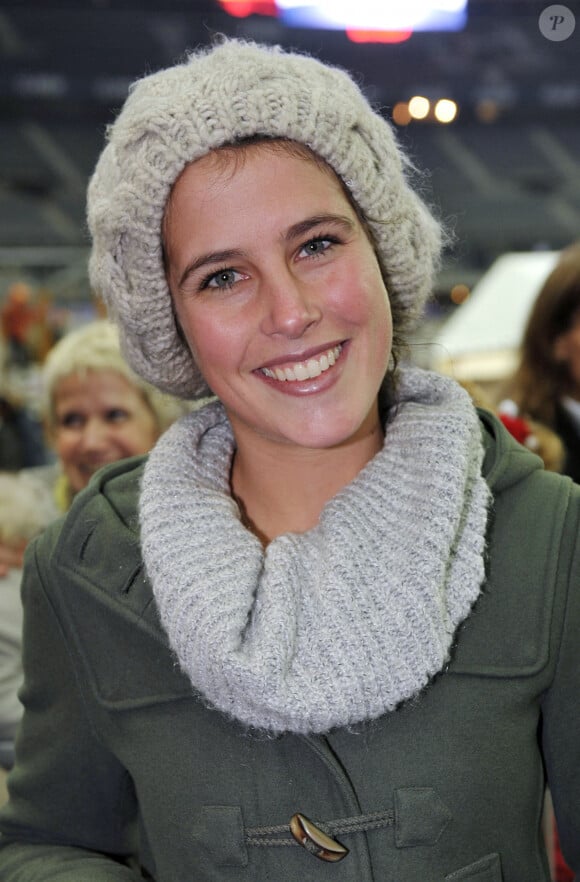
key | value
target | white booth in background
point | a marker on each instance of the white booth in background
(480, 341)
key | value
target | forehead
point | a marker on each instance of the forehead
(88, 385)
(226, 162)
(237, 153)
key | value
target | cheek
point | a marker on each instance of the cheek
(64, 445)
(148, 439)
(573, 363)
(214, 342)
(575, 345)
(362, 298)
(136, 437)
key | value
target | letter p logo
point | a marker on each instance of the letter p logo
(557, 23)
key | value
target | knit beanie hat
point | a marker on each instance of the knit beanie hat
(219, 96)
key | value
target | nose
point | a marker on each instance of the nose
(290, 305)
(94, 435)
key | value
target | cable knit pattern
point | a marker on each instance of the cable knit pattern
(218, 96)
(339, 624)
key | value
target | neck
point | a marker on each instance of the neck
(282, 489)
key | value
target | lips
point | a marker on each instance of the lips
(89, 468)
(304, 370)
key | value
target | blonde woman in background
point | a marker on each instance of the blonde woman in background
(97, 411)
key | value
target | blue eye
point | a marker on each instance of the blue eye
(317, 246)
(223, 279)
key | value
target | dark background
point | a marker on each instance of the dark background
(510, 184)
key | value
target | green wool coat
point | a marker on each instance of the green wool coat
(123, 772)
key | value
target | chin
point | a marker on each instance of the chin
(327, 436)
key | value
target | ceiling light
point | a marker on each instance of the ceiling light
(419, 107)
(445, 110)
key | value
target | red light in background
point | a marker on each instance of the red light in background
(360, 36)
(243, 8)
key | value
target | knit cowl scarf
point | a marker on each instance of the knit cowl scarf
(339, 624)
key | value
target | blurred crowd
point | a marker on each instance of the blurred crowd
(30, 325)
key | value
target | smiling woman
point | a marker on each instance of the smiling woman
(284, 283)
(97, 410)
(99, 419)
(262, 633)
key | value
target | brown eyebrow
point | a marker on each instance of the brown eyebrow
(304, 226)
(209, 258)
(293, 232)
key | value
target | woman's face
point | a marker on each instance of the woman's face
(567, 351)
(99, 417)
(279, 294)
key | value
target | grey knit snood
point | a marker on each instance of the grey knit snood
(339, 624)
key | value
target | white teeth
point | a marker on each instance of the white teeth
(305, 370)
(314, 368)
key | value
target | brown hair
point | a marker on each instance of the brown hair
(541, 379)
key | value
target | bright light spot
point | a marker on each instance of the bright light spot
(357, 36)
(445, 110)
(238, 8)
(394, 15)
(419, 107)
(401, 115)
(459, 294)
(243, 8)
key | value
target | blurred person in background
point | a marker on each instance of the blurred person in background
(25, 509)
(17, 316)
(21, 435)
(96, 411)
(546, 384)
(539, 439)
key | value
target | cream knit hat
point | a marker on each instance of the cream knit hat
(217, 97)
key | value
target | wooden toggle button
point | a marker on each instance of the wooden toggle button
(315, 841)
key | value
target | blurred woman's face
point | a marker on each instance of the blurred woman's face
(280, 296)
(567, 352)
(99, 418)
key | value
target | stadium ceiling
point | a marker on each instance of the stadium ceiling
(507, 171)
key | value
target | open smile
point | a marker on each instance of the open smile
(304, 370)
(89, 468)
